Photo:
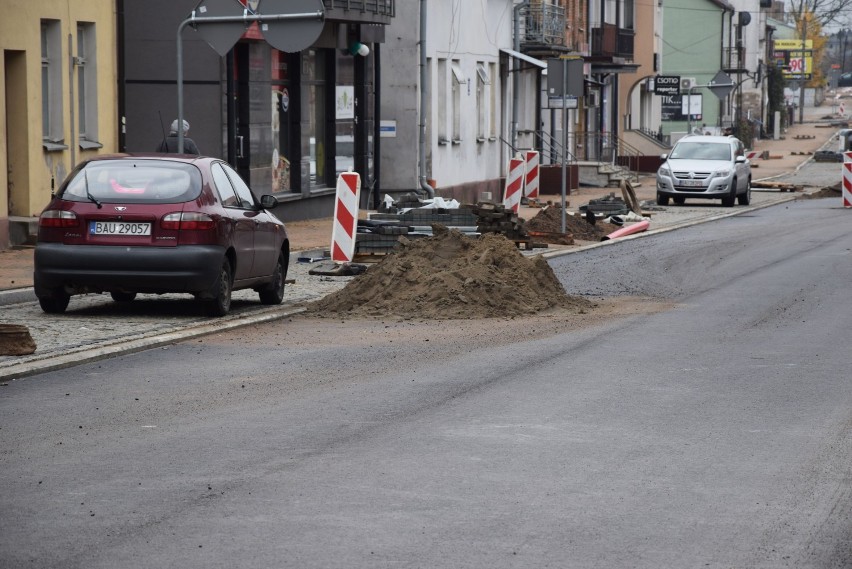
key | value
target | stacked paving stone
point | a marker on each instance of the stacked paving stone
(497, 218)
(380, 234)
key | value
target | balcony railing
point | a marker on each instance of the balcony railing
(734, 59)
(611, 41)
(544, 24)
(366, 11)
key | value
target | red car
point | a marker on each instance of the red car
(128, 224)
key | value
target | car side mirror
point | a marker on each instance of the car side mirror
(268, 202)
(664, 156)
(740, 159)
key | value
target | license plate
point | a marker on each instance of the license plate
(118, 228)
(691, 183)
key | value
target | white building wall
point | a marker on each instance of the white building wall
(465, 34)
(463, 45)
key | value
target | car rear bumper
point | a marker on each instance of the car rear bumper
(82, 268)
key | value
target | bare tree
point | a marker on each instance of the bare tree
(821, 12)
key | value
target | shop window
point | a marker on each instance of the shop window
(313, 123)
(87, 86)
(344, 114)
(283, 147)
(51, 86)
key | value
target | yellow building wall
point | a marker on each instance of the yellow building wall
(26, 168)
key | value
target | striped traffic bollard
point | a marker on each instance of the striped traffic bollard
(531, 180)
(514, 184)
(847, 179)
(345, 217)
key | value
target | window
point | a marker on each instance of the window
(223, 187)
(51, 86)
(458, 80)
(482, 101)
(243, 191)
(443, 137)
(492, 123)
(314, 114)
(87, 86)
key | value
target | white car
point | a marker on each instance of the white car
(710, 167)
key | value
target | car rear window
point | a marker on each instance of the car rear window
(141, 181)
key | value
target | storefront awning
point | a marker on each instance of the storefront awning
(524, 57)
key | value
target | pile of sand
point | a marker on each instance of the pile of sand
(451, 276)
(549, 220)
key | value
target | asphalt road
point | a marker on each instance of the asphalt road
(713, 434)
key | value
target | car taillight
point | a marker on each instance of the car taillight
(187, 221)
(57, 218)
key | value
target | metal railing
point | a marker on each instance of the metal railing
(380, 7)
(544, 24)
(733, 58)
(655, 134)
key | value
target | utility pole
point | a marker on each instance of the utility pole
(804, 60)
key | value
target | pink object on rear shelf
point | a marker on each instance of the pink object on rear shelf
(119, 189)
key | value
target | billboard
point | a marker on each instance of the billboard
(794, 60)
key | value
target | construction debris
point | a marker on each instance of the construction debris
(827, 156)
(497, 218)
(450, 275)
(780, 186)
(15, 340)
(606, 206)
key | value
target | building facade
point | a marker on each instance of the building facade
(289, 122)
(58, 83)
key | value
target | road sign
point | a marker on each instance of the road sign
(558, 103)
(573, 80)
(292, 35)
(667, 85)
(221, 36)
(721, 85)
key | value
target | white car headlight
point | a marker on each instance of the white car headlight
(663, 171)
(722, 173)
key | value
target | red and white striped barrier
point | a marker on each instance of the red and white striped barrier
(532, 171)
(752, 154)
(514, 184)
(345, 217)
(846, 188)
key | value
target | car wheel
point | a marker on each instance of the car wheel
(745, 198)
(728, 201)
(679, 200)
(220, 304)
(273, 293)
(662, 199)
(119, 296)
(54, 303)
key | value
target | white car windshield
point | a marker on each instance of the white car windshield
(701, 151)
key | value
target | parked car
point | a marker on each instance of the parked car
(713, 167)
(145, 223)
